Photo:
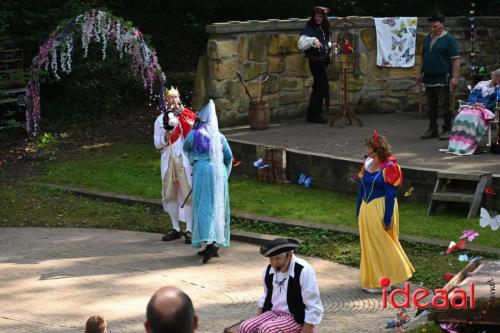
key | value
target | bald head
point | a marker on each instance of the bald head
(170, 310)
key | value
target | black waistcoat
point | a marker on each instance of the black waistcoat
(294, 299)
(314, 30)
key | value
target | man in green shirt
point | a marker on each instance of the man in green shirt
(439, 73)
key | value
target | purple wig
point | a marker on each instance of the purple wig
(201, 140)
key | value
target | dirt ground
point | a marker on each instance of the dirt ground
(22, 156)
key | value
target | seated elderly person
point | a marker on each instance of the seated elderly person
(471, 124)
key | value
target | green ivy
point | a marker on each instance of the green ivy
(45, 139)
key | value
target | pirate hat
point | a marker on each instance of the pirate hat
(321, 10)
(277, 246)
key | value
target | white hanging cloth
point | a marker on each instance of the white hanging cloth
(396, 40)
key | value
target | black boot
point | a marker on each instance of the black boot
(172, 235)
(430, 134)
(202, 252)
(188, 236)
(445, 134)
(212, 250)
(316, 119)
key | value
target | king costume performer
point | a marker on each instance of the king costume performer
(170, 130)
(378, 218)
(211, 157)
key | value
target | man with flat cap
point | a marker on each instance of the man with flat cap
(440, 72)
(291, 302)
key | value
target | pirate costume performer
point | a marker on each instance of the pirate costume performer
(211, 157)
(291, 301)
(378, 218)
(170, 131)
(315, 42)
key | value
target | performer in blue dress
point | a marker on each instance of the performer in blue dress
(211, 157)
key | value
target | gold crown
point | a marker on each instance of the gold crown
(171, 92)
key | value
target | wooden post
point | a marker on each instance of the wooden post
(420, 100)
(268, 159)
(261, 173)
(279, 165)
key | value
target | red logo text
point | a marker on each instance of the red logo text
(441, 299)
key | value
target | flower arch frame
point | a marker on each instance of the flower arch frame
(56, 53)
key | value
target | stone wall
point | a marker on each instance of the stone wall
(335, 173)
(252, 47)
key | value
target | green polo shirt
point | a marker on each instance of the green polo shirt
(436, 64)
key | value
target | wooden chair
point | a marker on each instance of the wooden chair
(492, 124)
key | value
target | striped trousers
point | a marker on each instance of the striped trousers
(270, 322)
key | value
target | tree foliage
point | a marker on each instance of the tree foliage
(176, 29)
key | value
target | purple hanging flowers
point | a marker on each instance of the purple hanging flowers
(55, 55)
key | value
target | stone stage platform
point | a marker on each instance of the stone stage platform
(403, 131)
(334, 154)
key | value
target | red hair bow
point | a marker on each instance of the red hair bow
(376, 141)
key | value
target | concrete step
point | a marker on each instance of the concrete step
(251, 237)
(452, 197)
(156, 203)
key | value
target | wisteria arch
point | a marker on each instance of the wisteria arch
(56, 54)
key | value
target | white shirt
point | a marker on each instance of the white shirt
(309, 290)
(159, 137)
(305, 42)
(177, 149)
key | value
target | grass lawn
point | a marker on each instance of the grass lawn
(134, 168)
(429, 262)
(26, 205)
(429, 328)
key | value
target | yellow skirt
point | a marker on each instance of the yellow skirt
(381, 252)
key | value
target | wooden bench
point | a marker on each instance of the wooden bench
(12, 80)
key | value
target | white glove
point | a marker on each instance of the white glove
(172, 120)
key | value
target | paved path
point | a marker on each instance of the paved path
(52, 280)
(402, 129)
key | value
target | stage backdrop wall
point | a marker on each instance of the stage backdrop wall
(252, 47)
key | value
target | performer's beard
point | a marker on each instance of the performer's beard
(175, 108)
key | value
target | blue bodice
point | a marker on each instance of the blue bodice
(373, 185)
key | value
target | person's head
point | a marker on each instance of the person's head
(281, 261)
(170, 310)
(319, 17)
(377, 147)
(495, 77)
(172, 98)
(436, 22)
(96, 324)
(280, 252)
(320, 14)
